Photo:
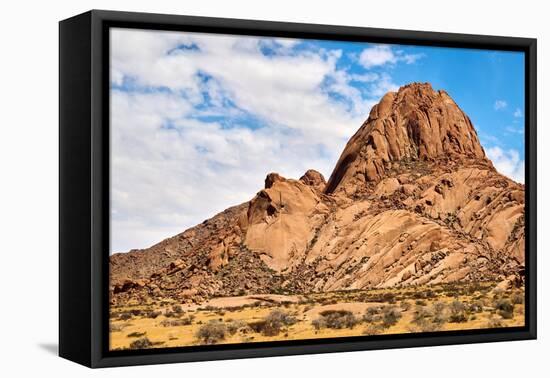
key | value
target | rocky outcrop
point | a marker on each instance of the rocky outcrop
(412, 200)
(414, 124)
(314, 179)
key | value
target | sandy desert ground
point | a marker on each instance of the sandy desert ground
(321, 315)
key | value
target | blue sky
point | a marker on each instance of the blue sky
(198, 120)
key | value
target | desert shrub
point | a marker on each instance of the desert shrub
(518, 298)
(336, 319)
(420, 314)
(211, 332)
(420, 302)
(273, 323)
(458, 312)
(472, 288)
(208, 308)
(142, 343)
(388, 297)
(476, 306)
(234, 325)
(438, 308)
(429, 294)
(373, 314)
(374, 310)
(427, 325)
(153, 314)
(171, 314)
(125, 316)
(505, 308)
(188, 320)
(116, 327)
(319, 323)
(405, 305)
(136, 334)
(417, 295)
(391, 316)
(494, 322)
(373, 329)
(440, 313)
(177, 309)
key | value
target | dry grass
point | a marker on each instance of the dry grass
(318, 315)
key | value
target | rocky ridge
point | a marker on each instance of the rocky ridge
(413, 200)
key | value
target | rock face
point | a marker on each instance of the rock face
(412, 200)
(416, 123)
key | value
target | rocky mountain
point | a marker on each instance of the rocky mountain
(412, 200)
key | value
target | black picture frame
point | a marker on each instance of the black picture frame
(84, 186)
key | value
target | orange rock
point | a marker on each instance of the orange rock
(412, 200)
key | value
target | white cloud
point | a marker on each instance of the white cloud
(500, 104)
(383, 86)
(508, 163)
(518, 113)
(514, 130)
(171, 168)
(368, 77)
(379, 55)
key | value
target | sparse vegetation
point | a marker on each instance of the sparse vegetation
(125, 316)
(136, 334)
(212, 332)
(458, 312)
(177, 309)
(505, 308)
(142, 343)
(116, 327)
(153, 314)
(188, 320)
(415, 310)
(235, 325)
(273, 323)
(518, 298)
(494, 322)
(391, 316)
(336, 319)
(373, 329)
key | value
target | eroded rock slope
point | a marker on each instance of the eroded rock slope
(412, 200)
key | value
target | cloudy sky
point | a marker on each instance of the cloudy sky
(198, 120)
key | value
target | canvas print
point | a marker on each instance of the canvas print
(275, 189)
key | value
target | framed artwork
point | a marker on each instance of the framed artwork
(234, 188)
